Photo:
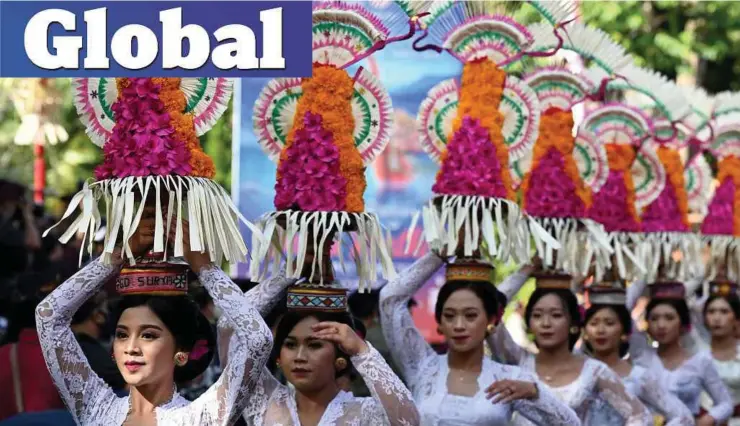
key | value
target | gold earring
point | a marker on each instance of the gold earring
(574, 330)
(624, 338)
(490, 328)
(340, 364)
(181, 358)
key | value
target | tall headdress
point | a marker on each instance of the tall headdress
(148, 129)
(669, 250)
(477, 128)
(323, 131)
(560, 173)
(721, 225)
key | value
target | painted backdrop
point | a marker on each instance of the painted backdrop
(400, 179)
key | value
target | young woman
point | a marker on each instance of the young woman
(155, 345)
(606, 337)
(462, 387)
(684, 374)
(313, 350)
(721, 316)
(584, 384)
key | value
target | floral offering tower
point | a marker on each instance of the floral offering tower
(476, 128)
(323, 131)
(148, 129)
(721, 225)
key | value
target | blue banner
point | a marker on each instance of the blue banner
(155, 39)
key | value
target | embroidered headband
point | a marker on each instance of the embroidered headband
(469, 271)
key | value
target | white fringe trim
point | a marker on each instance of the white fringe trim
(723, 248)
(628, 265)
(483, 223)
(580, 241)
(658, 247)
(207, 207)
(371, 245)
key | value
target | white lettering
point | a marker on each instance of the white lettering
(173, 34)
(96, 56)
(272, 39)
(241, 53)
(121, 46)
(67, 47)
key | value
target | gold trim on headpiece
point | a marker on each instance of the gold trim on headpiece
(722, 288)
(479, 272)
(554, 281)
(317, 298)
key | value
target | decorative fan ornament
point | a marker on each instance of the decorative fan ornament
(591, 159)
(275, 109)
(323, 131)
(648, 176)
(699, 188)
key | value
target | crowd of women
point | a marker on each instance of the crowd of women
(604, 212)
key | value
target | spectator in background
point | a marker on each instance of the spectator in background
(89, 325)
(26, 382)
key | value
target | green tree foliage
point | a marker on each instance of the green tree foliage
(70, 163)
(673, 37)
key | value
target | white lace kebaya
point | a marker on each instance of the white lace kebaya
(274, 404)
(428, 373)
(687, 381)
(596, 387)
(92, 402)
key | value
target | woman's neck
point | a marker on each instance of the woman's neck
(611, 359)
(670, 349)
(554, 355)
(724, 344)
(468, 361)
(316, 402)
(144, 399)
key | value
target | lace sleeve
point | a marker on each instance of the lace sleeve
(408, 346)
(717, 390)
(503, 346)
(263, 297)
(249, 349)
(663, 401)
(513, 283)
(547, 409)
(634, 292)
(81, 389)
(386, 388)
(609, 386)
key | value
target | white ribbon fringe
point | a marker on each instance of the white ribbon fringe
(482, 222)
(658, 247)
(571, 244)
(206, 205)
(723, 249)
(369, 247)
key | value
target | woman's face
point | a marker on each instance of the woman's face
(464, 321)
(307, 362)
(144, 348)
(720, 319)
(604, 331)
(664, 324)
(549, 322)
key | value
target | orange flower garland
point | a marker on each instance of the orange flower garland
(480, 95)
(729, 167)
(175, 103)
(328, 93)
(671, 160)
(620, 157)
(556, 132)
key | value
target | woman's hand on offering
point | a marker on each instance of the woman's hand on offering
(341, 334)
(143, 239)
(505, 391)
(197, 260)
